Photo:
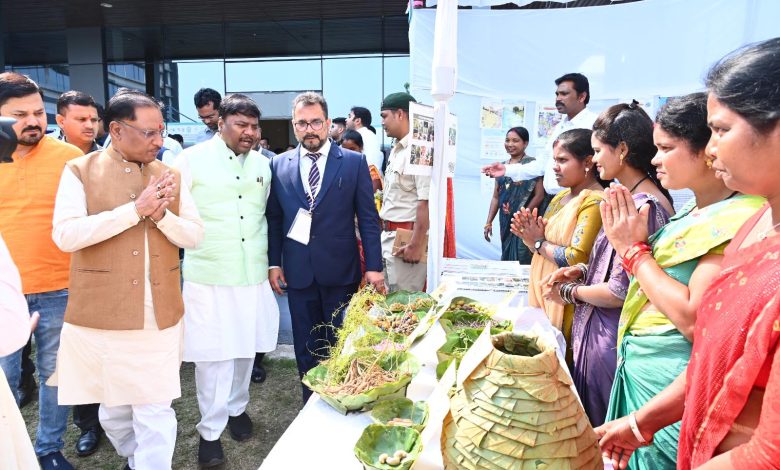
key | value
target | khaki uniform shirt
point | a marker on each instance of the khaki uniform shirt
(401, 191)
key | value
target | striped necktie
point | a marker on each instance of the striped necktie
(314, 177)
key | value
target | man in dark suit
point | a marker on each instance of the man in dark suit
(317, 191)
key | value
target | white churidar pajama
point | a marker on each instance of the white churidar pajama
(224, 326)
(221, 382)
(144, 434)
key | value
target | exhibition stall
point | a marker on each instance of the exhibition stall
(335, 448)
(484, 71)
(507, 61)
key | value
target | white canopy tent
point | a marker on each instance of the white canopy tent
(443, 78)
(643, 50)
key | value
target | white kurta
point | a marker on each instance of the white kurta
(226, 322)
(14, 315)
(118, 367)
(229, 322)
(16, 450)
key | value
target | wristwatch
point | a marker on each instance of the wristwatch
(538, 244)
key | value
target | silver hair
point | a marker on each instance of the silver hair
(310, 98)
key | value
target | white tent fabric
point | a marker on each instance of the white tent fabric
(443, 79)
(643, 49)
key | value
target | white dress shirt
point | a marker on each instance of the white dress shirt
(203, 135)
(544, 162)
(371, 150)
(305, 166)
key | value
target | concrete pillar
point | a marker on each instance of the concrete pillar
(86, 62)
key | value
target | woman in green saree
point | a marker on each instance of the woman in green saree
(655, 330)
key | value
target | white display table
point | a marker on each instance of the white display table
(321, 437)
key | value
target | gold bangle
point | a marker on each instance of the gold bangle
(488, 225)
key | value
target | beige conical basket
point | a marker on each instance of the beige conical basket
(517, 411)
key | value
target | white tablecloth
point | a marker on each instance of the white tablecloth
(321, 437)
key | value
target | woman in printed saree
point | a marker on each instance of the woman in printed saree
(565, 235)
(509, 196)
(656, 324)
(623, 145)
(729, 395)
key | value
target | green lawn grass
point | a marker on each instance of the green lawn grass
(272, 406)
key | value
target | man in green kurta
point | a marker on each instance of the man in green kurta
(231, 312)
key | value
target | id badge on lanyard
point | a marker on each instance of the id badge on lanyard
(300, 230)
(301, 227)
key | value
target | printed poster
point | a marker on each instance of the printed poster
(491, 114)
(547, 117)
(492, 145)
(513, 115)
(421, 141)
(486, 185)
(450, 147)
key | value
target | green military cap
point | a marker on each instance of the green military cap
(398, 100)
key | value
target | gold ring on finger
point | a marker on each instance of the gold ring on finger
(159, 195)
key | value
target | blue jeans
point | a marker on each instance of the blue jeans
(53, 418)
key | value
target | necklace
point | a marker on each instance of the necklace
(637, 185)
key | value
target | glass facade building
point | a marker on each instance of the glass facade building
(354, 54)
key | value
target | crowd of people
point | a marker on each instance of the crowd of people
(126, 258)
(671, 318)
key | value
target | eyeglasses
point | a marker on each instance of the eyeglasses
(147, 134)
(208, 116)
(315, 125)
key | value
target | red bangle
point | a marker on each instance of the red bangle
(636, 247)
(633, 254)
(638, 260)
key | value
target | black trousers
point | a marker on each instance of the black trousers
(315, 313)
(86, 416)
(28, 366)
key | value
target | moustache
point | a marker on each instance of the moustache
(32, 128)
(558, 103)
(311, 136)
